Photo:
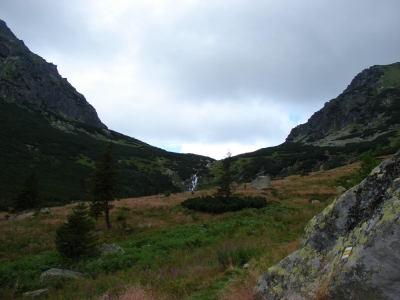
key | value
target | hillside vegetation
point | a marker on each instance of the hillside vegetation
(170, 252)
(64, 158)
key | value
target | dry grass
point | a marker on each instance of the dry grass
(132, 293)
(33, 236)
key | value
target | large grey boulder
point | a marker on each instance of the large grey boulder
(59, 273)
(350, 250)
(261, 182)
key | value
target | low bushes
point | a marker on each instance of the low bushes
(217, 205)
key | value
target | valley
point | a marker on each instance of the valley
(171, 252)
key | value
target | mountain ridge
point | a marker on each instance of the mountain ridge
(50, 127)
(367, 105)
(27, 77)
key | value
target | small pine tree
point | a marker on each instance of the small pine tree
(74, 239)
(104, 182)
(29, 196)
(368, 162)
(224, 183)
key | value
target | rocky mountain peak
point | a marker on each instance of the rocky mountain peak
(367, 109)
(368, 78)
(27, 78)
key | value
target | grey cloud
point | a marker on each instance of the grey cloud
(307, 51)
(48, 27)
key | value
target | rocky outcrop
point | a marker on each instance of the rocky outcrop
(350, 250)
(366, 110)
(261, 182)
(27, 78)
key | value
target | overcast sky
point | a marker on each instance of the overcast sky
(207, 76)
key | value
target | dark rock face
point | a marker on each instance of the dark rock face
(370, 102)
(350, 250)
(26, 77)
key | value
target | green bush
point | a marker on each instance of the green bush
(218, 205)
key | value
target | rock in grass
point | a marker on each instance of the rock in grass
(42, 293)
(106, 249)
(261, 182)
(59, 273)
(45, 210)
(21, 216)
(350, 250)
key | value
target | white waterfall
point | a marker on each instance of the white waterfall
(193, 182)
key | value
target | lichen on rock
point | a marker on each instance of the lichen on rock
(350, 250)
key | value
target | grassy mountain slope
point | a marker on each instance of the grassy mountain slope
(63, 153)
(48, 126)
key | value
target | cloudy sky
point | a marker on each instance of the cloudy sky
(205, 76)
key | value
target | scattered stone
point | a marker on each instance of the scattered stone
(341, 189)
(350, 250)
(315, 201)
(45, 210)
(21, 216)
(106, 249)
(60, 273)
(245, 266)
(262, 192)
(35, 294)
(145, 225)
(261, 182)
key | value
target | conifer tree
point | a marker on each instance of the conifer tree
(224, 184)
(29, 196)
(368, 162)
(104, 182)
(74, 239)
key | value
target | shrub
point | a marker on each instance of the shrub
(217, 205)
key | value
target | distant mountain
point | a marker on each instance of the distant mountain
(367, 109)
(48, 126)
(366, 116)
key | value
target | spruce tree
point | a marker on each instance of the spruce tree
(224, 183)
(74, 239)
(29, 196)
(104, 182)
(368, 163)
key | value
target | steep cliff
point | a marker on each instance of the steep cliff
(367, 109)
(26, 77)
(350, 250)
